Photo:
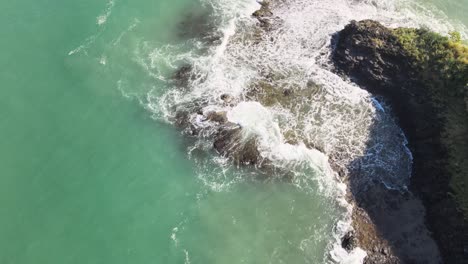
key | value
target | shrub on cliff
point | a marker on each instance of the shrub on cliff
(443, 65)
(443, 61)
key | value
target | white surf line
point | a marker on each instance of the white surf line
(101, 20)
(85, 45)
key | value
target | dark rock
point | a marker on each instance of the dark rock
(182, 121)
(265, 16)
(182, 118)
(349, 241)
(264, 10)
(287, 92)
(228, 99)
(385, 251)
(186, 112)
(183, 76)
(219, 117)
(229, 143)
(370, 54)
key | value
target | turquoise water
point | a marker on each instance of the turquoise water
(88, 176)
(455, 10)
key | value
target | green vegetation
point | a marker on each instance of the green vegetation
(440, 59)
(443, 65)
(455, 36)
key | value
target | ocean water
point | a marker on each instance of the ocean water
(92, 170)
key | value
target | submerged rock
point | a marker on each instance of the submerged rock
(270, 93)
(199, 24)
(229, 143)
(185, 114)
(219, 117)
(183, 76)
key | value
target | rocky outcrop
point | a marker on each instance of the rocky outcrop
(228, 138)
(389, 225)
(423, 76)
(264, 15)
(229, 143)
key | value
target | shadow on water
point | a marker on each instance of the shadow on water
(397, 215)
(199, 23)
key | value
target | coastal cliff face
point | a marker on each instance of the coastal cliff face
(424, 77)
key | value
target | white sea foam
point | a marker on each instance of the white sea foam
(256, 120)
(351, 128)
(174, 236)
(102, 19)
(85, 45)
(89, 41)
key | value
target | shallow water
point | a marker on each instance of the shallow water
(90, 173)
(454, 10)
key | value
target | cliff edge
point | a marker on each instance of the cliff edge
(424, 77)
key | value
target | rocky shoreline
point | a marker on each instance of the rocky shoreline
(375, 58)
(391, 226)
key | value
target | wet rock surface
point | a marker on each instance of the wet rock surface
(349, 241)
(228, 138)
(183, 76)
(267, 21)
(264, 15)
(228, 142)
(371, 55)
